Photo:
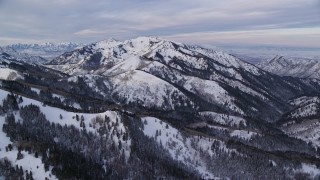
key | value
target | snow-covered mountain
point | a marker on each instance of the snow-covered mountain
(151, 108)
(10, 54)
(148, 71)
(39, 53)
(302, 121)
(295, 67)
(112, 57)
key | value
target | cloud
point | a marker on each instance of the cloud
(91, 20)
(94, 33)
(303, 37)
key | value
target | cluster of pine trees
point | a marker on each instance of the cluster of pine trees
(81, 154)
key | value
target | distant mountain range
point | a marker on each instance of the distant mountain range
(9, 53)
(38, 53)
(257, 54)
(295, 67)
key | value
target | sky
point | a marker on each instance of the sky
(212, 22)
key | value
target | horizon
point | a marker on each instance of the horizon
(205, 45)
(286, 23)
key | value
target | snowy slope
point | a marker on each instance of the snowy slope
(301, 101)
(310, 109)
(181, 147)
(212, 91)
(303, 121)
(222, 119)
(307, 130)
(110, 53)
(101, 56)
(200, 71)
(139, 88)
(228, 60)
(152, 91)
(9, 74)
(304, 107)
(296, 67)
(30, 163)
(246, 135)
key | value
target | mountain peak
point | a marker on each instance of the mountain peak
(110, 57)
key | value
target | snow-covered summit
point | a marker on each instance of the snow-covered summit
(104, 55)
(210, 75)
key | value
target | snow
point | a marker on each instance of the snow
(142, 45)
(305, 111)
(29, 162)
(36, 90)
(301, 101)
(4, 140)
(129, 64)
(76, 105)
(31, 52)
(242, 134)
(212, 91)
(107, 44)
(222, 58)
(121, 60)
(163, 70)
(244, 88)
(58, 96)
(306, 130)
(139, 86)
(122, 56)
(310, 169)
(176, 77)
(182, 147)
(9, 74)
(68, 118)
(292, 66)
(274, 164)
(228, 60)
(53, 115)
(222, 119)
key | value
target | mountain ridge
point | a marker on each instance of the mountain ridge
(45, 51)
(192, 69)
(295, 67)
